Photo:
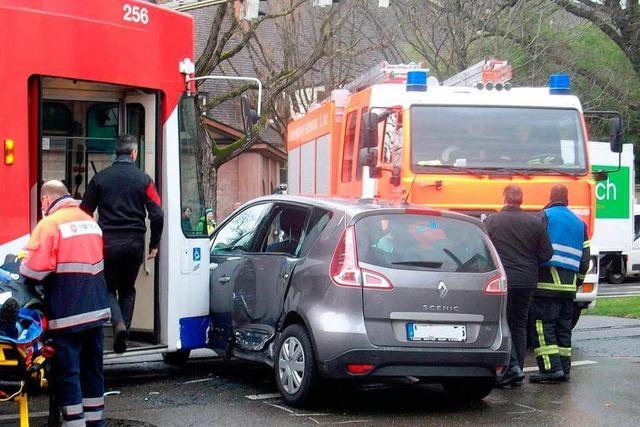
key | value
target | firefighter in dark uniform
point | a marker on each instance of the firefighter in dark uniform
(123, 195)
(64, 252)
(558, 280)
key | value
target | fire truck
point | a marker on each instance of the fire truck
(75, 75)
(395, 133)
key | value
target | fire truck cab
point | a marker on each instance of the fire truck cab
(396, 133)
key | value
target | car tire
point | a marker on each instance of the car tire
(176, 358)
(295, 367)
(469, 389)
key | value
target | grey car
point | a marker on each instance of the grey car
(329, 288)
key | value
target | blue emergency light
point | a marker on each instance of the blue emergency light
(559, 84)
(417, 80)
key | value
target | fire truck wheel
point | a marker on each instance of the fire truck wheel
(176, 358)
(617, 278)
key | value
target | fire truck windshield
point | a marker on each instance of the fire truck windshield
(451, 138)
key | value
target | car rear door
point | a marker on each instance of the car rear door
(437, 269)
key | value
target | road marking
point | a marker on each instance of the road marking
(263, 396)
(576, 363)
(319, 414)
(202, 380)
(284, 408)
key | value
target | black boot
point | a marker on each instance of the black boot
(120, 336)
(513, 377)
(547, 377)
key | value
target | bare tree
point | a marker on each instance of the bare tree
(231, 41)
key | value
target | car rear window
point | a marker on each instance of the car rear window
(423, 242)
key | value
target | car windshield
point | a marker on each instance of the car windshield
(451, 138)
(423, 242)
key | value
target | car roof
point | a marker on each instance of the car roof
(356, 207)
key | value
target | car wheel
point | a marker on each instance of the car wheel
(470, 389)
(295, 366)
(176, 358)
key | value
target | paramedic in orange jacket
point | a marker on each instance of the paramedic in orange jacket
(65, 254)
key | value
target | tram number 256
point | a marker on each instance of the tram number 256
(136, 14)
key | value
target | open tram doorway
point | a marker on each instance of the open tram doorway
(78, 126)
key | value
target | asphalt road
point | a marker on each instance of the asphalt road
(630, 287)
(205, 392)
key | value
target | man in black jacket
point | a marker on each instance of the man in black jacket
(522, 244)
(124, 195)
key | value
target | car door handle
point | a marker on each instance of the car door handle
(224, 279)
(213, 266)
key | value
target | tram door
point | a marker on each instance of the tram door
(79, 124)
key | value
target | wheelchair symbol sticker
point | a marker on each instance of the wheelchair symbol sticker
(196, 254)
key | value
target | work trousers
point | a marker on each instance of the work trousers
(79, 382)
(518, 303)
(551, 333)
(123, 256)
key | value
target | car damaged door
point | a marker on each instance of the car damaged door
(231, 247)
(262, 280)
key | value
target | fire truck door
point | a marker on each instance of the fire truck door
(140, 121)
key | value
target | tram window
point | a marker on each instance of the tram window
(135, 121)
(102, 128)
(56, 118)
(191, 186)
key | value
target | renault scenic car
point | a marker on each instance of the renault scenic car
(326, 288)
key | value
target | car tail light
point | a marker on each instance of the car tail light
(497, 285)
(345, 270)
(344, 264)
(373, 280)
(359, 368)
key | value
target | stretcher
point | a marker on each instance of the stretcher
(24, 360)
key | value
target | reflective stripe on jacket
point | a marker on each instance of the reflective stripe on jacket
(65, 253)
(566, 232)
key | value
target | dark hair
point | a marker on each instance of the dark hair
(125, 144)
(512, 195)
(559, 194)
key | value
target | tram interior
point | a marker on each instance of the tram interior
(80, 122)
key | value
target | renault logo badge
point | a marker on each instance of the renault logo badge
(442, 289)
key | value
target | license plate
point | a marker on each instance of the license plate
(435, 332)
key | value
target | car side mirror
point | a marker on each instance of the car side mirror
(600, 175)
(615, 134)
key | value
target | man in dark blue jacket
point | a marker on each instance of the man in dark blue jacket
(522, 244)
(558, 280)
(123, 195)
